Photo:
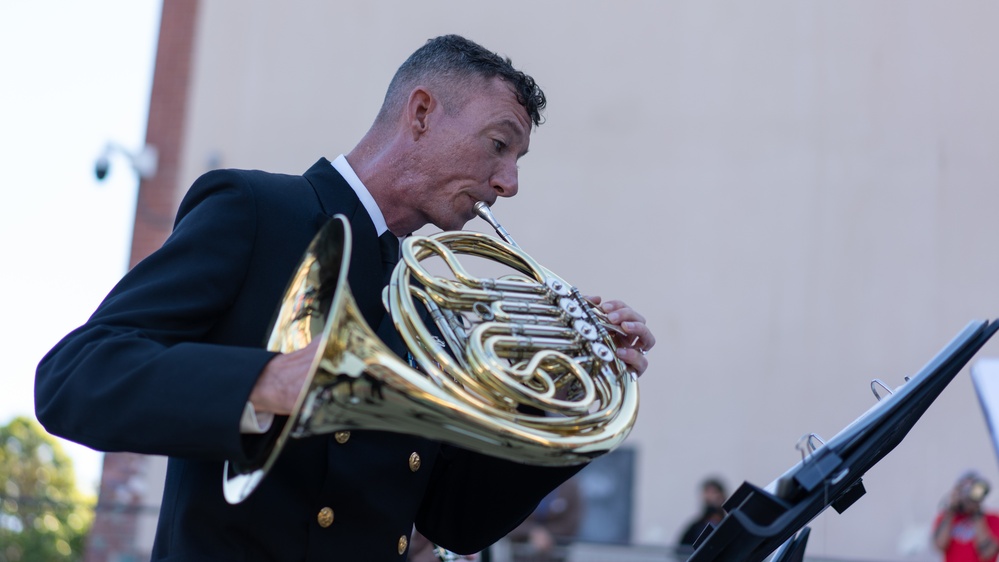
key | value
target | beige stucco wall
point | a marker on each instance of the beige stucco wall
(800, 196)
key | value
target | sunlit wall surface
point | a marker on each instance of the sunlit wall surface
(800, 197)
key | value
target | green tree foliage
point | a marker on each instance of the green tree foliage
(42, 514)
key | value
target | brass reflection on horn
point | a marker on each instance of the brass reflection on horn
(518, 366)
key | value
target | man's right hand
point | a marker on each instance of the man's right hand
(281, 381)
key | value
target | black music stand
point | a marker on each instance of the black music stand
(794, 549)
(759, 520)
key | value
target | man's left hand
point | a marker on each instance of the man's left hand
(637, 342)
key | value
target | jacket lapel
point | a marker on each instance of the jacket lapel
(336, 197)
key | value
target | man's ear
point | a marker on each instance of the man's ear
(419, 109)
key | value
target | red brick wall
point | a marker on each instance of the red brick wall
(113, 535)
(157, 199)
(121, 495)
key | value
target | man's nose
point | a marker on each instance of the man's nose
(505, 181)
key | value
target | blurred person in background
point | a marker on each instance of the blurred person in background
(713, 495)
(964, 531)
(551, 528)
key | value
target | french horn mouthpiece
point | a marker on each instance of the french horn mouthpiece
(482, 209)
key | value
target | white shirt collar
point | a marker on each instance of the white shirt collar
(362, 192)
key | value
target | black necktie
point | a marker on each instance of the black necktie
(390, 254)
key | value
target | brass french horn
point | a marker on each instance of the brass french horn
(528, 373)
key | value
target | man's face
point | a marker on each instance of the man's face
(713, 496)
(970, 495)
(471, 155)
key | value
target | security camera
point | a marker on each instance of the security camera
(143, 162)
(101, 166)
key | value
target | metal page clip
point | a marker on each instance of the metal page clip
(806, 445)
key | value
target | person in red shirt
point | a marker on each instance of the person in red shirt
(963, 531)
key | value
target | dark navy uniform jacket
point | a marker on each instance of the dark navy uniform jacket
(166, 364)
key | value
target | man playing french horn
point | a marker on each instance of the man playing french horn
(171, 363)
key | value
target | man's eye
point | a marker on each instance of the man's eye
(499, 145)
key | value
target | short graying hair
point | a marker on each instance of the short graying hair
(451, 61)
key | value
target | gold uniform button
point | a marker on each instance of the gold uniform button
(325, 517)
(403, 543)
(341, 436)
(414, 462)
